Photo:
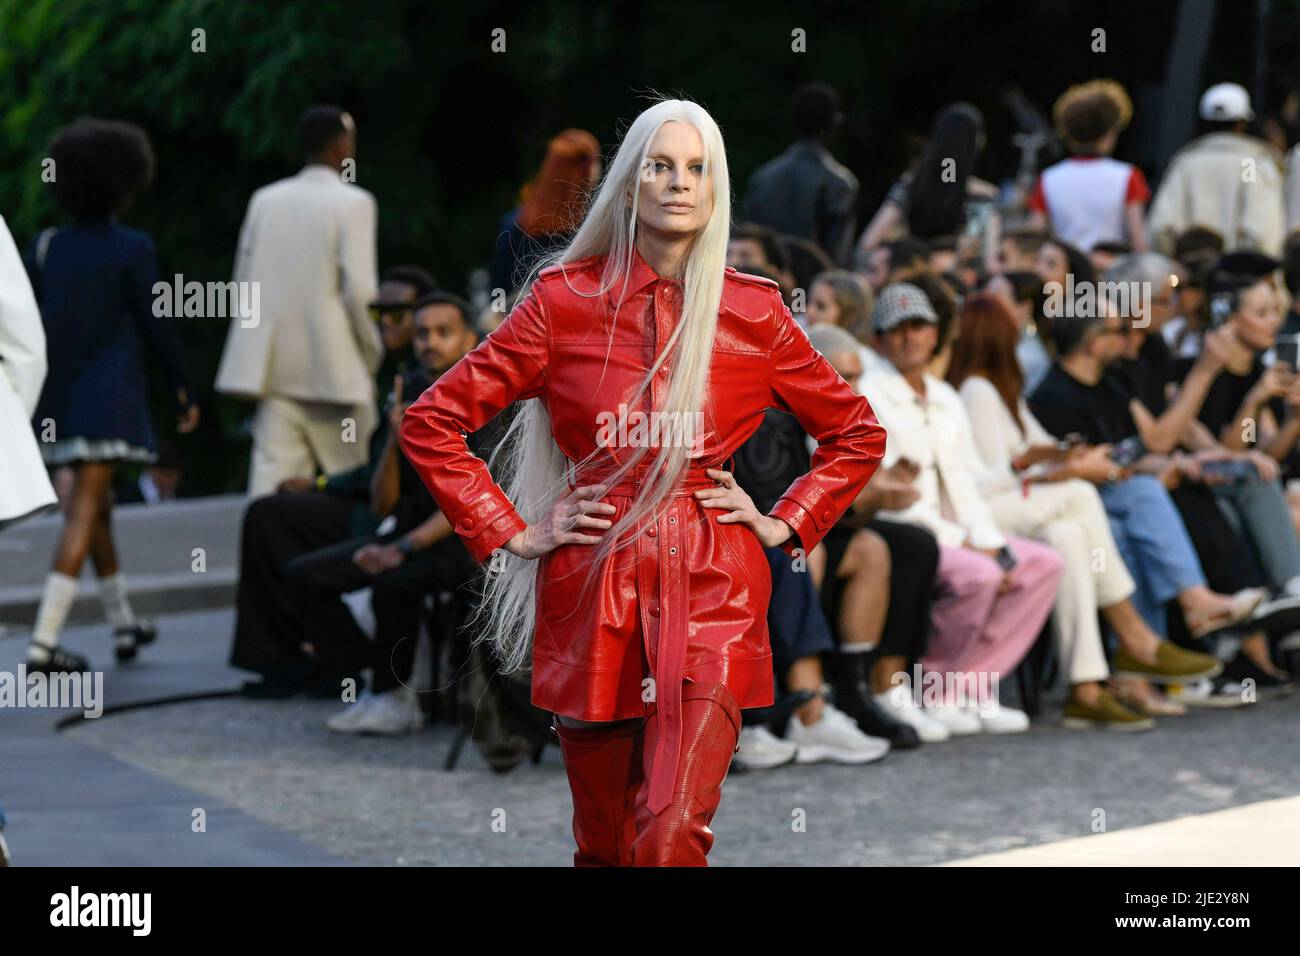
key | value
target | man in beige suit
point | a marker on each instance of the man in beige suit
(307, 350)
(1224, 179)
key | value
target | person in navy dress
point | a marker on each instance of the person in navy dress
(94, 280)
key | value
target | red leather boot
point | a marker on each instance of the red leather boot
(604, 769)
(679, 835)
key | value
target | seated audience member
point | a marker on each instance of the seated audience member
(1032, 489)
(1062, 267)
(1291, 275)
(994, 593)
(1196, 252)
(1022, 293)
(1103, 255)
(754, 247)
(880, 265)
(883, 618)
(1090, 197)
(1078, 398)
(1291, 329)
(807, 260)
(270, 634)
(844, 299)
(944, 298)
(1243, 477)
(1018, 248)
(941, 254)
(765, 465)
(399, 289)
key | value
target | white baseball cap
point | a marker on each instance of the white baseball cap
(1226, 102)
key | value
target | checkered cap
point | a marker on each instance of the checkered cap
(900, 302)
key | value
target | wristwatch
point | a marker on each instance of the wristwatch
(405, 547)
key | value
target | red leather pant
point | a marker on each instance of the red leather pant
(608, 769)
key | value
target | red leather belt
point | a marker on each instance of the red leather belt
(664, 589)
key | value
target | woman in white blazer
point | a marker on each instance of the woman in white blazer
(24, 485)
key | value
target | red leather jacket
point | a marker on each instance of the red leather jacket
(689, 601)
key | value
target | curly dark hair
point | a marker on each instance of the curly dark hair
(100, 166)
(1087, 112)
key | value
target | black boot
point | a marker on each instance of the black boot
(853, 696)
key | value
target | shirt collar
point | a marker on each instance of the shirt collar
(639, 276)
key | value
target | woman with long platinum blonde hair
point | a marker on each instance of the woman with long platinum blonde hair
(631, 571)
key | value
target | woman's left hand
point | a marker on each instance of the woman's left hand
(769, 531)
(188, 420)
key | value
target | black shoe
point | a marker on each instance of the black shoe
(1267, 686)
(1277, 616)
(853, 696)
(126, 640)
(61, 661)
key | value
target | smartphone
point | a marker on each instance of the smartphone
(1235, 472)
(1128, 451)
(1287, 351)
(1007, 558)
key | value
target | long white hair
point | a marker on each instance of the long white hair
(533, 471)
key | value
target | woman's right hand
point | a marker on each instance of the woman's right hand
(1094, 464)
(577, 509)
(1274, 383)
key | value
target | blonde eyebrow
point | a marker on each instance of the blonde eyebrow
(696, 159)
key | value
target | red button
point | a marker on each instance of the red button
(651, 532)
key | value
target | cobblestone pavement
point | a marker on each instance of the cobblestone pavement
(388, 801)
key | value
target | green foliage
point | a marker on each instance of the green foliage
(448, 129)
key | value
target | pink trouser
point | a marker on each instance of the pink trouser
(976, 630)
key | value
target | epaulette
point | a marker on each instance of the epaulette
(755, 280)
(559, 267)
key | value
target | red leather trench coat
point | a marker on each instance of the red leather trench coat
(689, 601)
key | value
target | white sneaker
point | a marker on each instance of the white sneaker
(898, 700)
(836, 737)
(958, 721)
(760, 749)
(1216, 693)
(391, 714)
(345, 721)
(999, 719)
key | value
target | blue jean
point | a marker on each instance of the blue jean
(1259, 512)
(795, 622)
(1153, 543)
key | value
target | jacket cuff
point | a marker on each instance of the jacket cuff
(809, 526)
(484, 537)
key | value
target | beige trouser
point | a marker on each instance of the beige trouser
(1069, 517)
(293, 438)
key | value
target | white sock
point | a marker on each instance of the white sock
(60, 590)
(856, 648)
(117, 607)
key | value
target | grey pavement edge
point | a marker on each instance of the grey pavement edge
(177, 556)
